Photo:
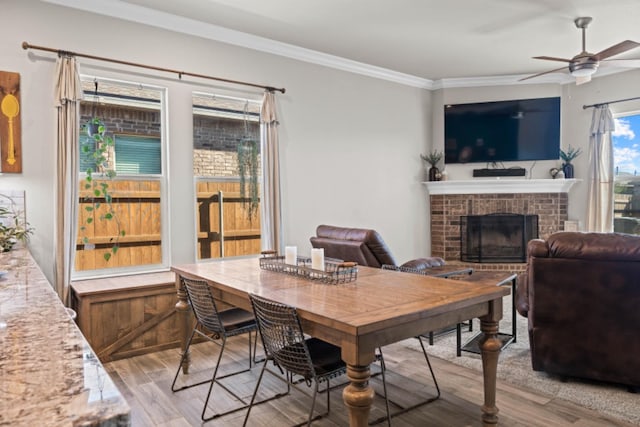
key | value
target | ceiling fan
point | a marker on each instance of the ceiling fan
(585, 64)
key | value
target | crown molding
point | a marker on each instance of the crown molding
(142, 15)
(154, 18)
(554, 78)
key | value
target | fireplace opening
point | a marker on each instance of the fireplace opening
(497, 238)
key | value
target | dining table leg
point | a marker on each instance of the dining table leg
(358, 395)
(490, 347)
(184, 328)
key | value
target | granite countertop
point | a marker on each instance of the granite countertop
(49, 375)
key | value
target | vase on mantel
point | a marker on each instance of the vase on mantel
(434, 174)
(567, 168)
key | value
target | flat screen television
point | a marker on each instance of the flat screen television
(501, 131)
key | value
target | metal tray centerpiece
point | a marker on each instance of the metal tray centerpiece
(335, 271)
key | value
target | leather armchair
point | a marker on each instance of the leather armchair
(581, 295)
(363, 246)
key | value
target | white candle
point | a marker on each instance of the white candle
(291, 255)
(317, 258)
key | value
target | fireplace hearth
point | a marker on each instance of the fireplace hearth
(496, 237)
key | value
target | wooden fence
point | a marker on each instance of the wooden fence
(225, 228)
(137, 209)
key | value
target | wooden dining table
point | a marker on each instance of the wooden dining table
(380, 307)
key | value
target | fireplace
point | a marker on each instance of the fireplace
(497, 237)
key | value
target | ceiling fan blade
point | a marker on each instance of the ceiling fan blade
(615, 50)
(621, 63)
(552, 58)
(582, 80)
(543, 73)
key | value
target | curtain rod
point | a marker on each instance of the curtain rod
(584, 107)
(26, 46)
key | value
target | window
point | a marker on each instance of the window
(626, 153)
(137, 155)
(226, 129)
(121, 227)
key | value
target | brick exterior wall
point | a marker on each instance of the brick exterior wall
(214, 139)
(446, 210)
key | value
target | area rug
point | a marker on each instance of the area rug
(514, 367)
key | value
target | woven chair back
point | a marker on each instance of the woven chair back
(203, 304)
(282, 336)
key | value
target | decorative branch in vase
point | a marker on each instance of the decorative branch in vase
(567, 157)
(433, 158)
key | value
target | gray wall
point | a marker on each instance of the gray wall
(349, 144)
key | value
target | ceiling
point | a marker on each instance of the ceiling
(425, 39)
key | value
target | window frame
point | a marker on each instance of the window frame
(615, 172)
(256, 99)
(162, 178)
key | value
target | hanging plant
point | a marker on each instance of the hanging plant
(248, 172)
(97, 147)
(248, 158)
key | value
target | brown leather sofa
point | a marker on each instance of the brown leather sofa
(581, 295)
(363, 246)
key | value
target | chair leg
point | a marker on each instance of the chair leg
(402, 409)
(253, 402)
(182, 359)
(384, 387)
(255, 392)
(433, 375)
(313, 402)
(213, 381)
(255, 347)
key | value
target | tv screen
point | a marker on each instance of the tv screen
(524, 129)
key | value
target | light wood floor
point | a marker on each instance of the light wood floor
(145, 381)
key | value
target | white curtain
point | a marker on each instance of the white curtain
(271, 222)
(600, 196)
(68, 93)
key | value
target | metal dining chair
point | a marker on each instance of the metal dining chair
(215, 326)
(311, 360)
(420, 337)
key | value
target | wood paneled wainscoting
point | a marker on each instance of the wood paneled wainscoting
(128, 315)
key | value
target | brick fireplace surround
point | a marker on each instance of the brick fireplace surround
(449, 200)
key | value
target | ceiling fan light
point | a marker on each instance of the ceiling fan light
(584, 69)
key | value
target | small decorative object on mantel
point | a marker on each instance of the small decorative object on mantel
(556, 173)
(567, 157)
(432, 159)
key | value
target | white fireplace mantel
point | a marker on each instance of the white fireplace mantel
(500, 185)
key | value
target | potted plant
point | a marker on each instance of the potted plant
(432, 159)
(12, 229)
(567, 157)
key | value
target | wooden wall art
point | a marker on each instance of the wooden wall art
(10, 130)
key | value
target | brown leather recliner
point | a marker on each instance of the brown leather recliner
(363, 246)
(581, 294)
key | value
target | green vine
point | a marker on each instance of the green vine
(248, 171)
(98, 146)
